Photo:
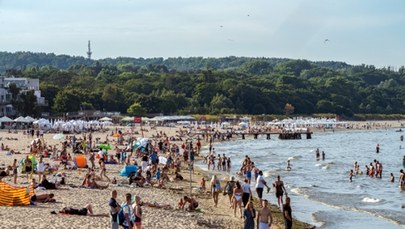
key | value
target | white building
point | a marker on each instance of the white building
(25, 84)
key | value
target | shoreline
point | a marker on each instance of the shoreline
(278, 219)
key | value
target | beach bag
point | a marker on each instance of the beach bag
(228, 188)
(121, 215)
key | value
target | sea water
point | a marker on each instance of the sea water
(320, 189)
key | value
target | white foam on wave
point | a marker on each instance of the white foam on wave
(318, 165)
(266, 174)
(370, 200)
(296, 190)
(295, 157)
(326, 167)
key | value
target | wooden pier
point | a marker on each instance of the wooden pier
(284, 135)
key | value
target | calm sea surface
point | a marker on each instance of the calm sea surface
(320, 190)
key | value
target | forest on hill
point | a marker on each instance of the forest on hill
(196, 85)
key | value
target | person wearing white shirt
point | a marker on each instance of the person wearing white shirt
(247, 193)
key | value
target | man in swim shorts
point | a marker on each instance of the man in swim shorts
(264, 217)
(280, 189)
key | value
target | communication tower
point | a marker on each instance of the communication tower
(89, 50)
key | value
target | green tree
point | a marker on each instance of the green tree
(136, 109)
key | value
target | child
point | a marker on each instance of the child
(351, 175)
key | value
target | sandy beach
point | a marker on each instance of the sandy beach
(72, 195)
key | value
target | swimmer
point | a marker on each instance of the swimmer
(392, 178)
(323, 155)
(377, 148)
(351, 175)
(289, 165)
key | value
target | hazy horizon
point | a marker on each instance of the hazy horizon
(356, 32)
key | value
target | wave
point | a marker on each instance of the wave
(370, 200)
(295, 157)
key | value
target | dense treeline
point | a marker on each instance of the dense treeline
(208, 85)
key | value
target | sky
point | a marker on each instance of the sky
(354, 31)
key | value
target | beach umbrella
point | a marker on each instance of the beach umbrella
(116, 135)
(162, 160)
(20, 119)
(141, 142)
(104, 146)
(105, 119)
(58, 136)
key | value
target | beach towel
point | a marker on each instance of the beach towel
(15, 196)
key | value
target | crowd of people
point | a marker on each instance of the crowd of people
(157, 162)
(240, 196)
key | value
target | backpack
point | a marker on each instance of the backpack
(121, 215)
(228, 187)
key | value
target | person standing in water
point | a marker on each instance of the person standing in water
(351, 175)
(288, 165)
(392, 178)
(317, 154)
(401, 179)
(403, 161)
(377, 148)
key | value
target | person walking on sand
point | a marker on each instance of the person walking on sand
(264, 217)
(114, 208)
(247, 193)
(280, 189)
(260, 183)
(103, 170)
(237, 198)
(215, 189)
(287, 213)
(249, 215)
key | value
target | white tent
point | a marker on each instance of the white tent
(29, 119)
(127, 119)
(20, 119)
(5, 119)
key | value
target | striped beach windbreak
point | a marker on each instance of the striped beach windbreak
(15, 196)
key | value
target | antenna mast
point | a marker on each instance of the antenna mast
(89, 50)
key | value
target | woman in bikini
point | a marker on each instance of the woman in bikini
(215, 189)
(137, 213)
(237, 198)
(103, 169)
